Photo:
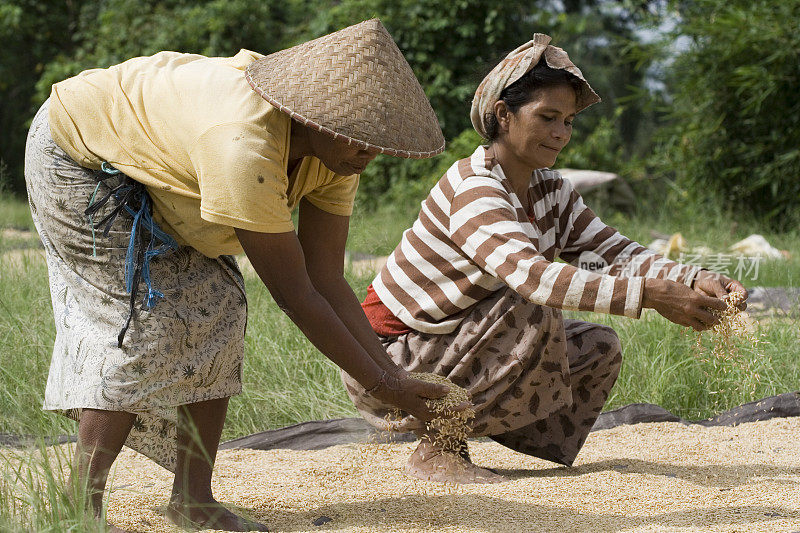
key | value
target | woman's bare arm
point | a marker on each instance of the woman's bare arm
(323, 237)
(279, 261)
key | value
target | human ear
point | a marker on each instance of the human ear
(503, 115)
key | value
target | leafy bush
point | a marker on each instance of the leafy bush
(452, 51)
(449, 44)
(599, 148)
(735, 134)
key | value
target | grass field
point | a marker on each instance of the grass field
(288, 381)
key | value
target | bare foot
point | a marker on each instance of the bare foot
(209, 515)
(431, 463)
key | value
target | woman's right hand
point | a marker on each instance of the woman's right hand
(680, 304)
(410, 395)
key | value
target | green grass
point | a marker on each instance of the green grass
(377, 232)
(16, 226)
(14, 213)
(26, 342)
(288, 381)
(716, 231)
(32, 495)
(662, 365)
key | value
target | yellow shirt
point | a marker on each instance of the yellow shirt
(211, 151)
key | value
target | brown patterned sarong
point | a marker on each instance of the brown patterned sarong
(538, 382)
(186, 349)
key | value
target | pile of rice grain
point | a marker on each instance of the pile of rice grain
(639, 478)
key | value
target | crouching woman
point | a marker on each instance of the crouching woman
(473, 291)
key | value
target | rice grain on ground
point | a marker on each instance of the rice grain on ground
(639, 478)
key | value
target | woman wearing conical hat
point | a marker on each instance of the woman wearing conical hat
(144, 179)
(473, 291)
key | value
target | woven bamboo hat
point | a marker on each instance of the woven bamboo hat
(353, 84)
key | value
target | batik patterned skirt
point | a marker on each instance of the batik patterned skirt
(186, 349)
(538, 382)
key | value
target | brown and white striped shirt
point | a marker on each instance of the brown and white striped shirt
(472, 237)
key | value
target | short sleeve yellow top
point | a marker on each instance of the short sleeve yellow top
(211, 151)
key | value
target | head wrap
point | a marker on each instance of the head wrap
(513, 67)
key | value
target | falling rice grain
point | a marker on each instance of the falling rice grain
(450, 428)
(727, 337)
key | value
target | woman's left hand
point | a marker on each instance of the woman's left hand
(411, 395)
(719, 286)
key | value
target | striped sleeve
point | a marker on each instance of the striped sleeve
(593, 245)
(484, 224)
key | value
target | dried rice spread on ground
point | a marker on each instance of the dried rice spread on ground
(646, 477)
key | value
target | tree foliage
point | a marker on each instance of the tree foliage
(31, 34)
(732, 125)
(109, 32)
(451, 45)
(735, 114)
(42, 43)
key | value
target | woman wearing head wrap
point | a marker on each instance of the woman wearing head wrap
(473, 292)
(155, 171)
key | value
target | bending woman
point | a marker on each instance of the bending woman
(156, 171)
(473, 292)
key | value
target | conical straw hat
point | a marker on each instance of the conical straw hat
(353, 84)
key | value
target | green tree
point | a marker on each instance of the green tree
(735, 132)
(112, 31)
(31, 34)
(451, 45)
(43, 44)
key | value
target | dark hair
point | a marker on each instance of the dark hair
(524, 89)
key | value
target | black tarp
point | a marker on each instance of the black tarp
(319, 434)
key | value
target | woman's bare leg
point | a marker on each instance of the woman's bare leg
(192, 503)
(101, 435)
(432, 461)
